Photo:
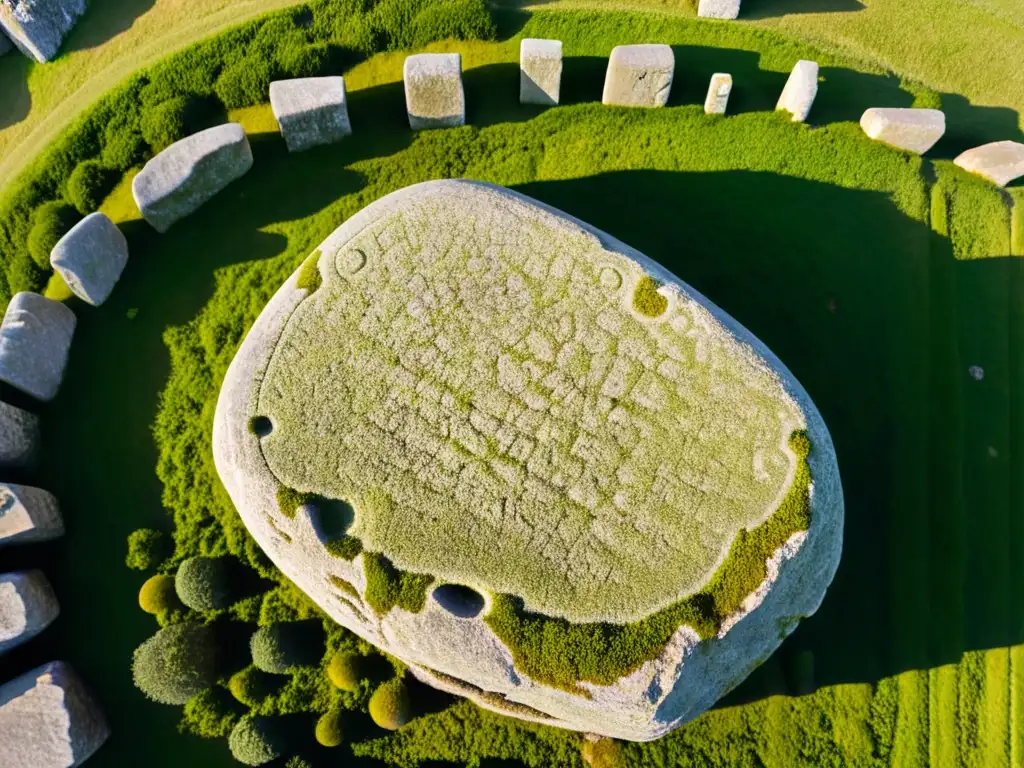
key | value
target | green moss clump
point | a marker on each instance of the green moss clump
(204, 583)
(646, 299)
(89, 184)
(211, 714)
(329, 731)
(253, 741)
(603, 753)
(146, 549)
(388, 587)
(251, 686)
(280, 648)
(309, 278)
(177, 663)
(289, 500)
(158, 596)
(51, 222)
(345, 586)
(343, 671)
(389, 706)
(347, 547)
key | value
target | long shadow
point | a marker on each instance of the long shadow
(767, 9)
(15, 98)
(103, 20)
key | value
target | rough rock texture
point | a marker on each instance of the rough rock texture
(717, 100)
(719, 9)
(19, 437)
(639, 76)
(6, 46)
(475, 353)
(35, 337)
(801, 88)
(38, 27)
(188, 173)
(540, 71)
(28, 515)
(27, 607)
(1000, 162)
(915, 130)
(91, 258)
(433, 90)
(310, 111)
(49, 720)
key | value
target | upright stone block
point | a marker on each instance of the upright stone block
(35, 337)
(717, 100)
(801, 88)
(434, 97)
(540, 71)
(915, 130)
(187, 174)
(38, 27)
(48, 719)
(719, 9)
(310, 111)
(1000, 162)
(639, 76)
(27, 607)
(28, 515)
(91, 257)
(19, 437)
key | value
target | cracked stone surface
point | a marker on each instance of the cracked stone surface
(28, 515)
(639, 76)
(35, 338)
(27, 607)
(540, 71)
(801, 88)
(434, 97)
(310, 111)
(37, 27)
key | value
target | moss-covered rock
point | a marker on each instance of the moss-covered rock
(389, 705)
(204, 583)
(157, 595)
(343, 670)
(329, 730)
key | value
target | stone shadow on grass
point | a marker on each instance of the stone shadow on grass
(767, 9)
(15, 98)
(102, 21)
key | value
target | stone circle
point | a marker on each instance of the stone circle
(434, 97)
(801, 88)
(540, 71)
(310, 111)
(91, 257)
(35, 337)
(639, 76)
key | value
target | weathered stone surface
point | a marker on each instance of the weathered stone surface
(35, 337)
(28, 515)
(49, 720)
(801, 88)
(915, 130)
(433, 90)
(540, 71)
(717, 100)
(1000, 162)
(91, 258)
(310, 111)
(639, 76)
(190, 172)
(27, 607)
(719, 9)
(19, 437)
(6, 46)
(472, 352)
(38, 27)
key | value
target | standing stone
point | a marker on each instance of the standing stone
(719, 9)
(35, 337)
(433, 90)
(540, 71)
(38, 27)
(27, 607)
(915, 130)
(19, 437)
(28, 515)
(718, 94)
(310, 111)
(190, 172)
(639, 76)
(6, 46)
(801, 88)
(91, 257)
(1000, 162)
(49, 720)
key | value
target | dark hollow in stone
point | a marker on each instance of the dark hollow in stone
(460, 601)
(261, 426)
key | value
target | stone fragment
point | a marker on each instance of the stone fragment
(190, 172)
(540, 71)
(28, 515)
(38, 27)
(639, 76)
(433, 90)
(48, 719)
(801, 88)
(27, 607)
(1000, 162)
(91, 257)
(35, 337)
(915, 130)
(717, 99)
(19, 437)
(719, 9)
(310, 111)
(976, 372)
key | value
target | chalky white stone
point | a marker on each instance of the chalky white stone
(915, 130)
(717, 100)
(27, 607)
(719, 9)
(190, 172)
(801, 88)
(19, 437)
(540, 71)
(468, 371)
(48, 719)
(35, 337)
(38, 27)
(310, 111)
(1000, 162)
(639, 76)
(434, 97)
(91, 257)
(28, 515)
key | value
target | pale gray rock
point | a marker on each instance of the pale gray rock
(35, 338)
(639, 76)
(915, 130)
(801, 88)
(540, 71)
(6, 46)
(19, 437)
(190, 172)
(38, 27)
(27, 607)
(310, 111)
(91, 257)
(48, 719)
(719, 9)
(717, 100)
(28, 515)
(434, 97)
(1000, 162)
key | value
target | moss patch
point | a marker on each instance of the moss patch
(388, 587)
(289, 500)
(344, 586)
(309, 278)
(346, 547)
(646, 299)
